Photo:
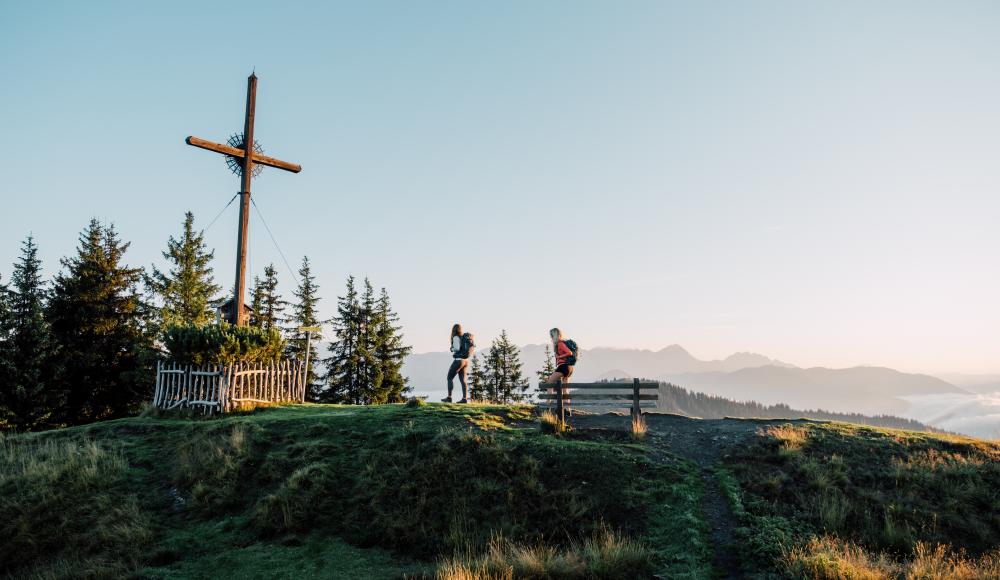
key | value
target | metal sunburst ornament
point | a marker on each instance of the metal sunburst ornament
(236, 164)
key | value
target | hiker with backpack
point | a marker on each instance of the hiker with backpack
(462, 347)
(566, 353)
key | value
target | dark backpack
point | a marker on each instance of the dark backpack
(468, 346)
(571, 345)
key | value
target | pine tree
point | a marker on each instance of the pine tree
(390, 352)
(343, 372)
(97, 322)
(475, 379)
(267, 307)
(187, 290)
(503, 382)
(28, 394)
(366, 356)
(6, 365)
(370, 373)
(256, 301)
(304, 313)
(549, 367)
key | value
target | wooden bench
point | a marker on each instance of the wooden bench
(585, 393)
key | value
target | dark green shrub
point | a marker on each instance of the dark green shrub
(222, 343)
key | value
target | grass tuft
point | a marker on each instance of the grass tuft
(604, 555)
(551, 424)
(830, 558)
(414, 402)
(639, 428)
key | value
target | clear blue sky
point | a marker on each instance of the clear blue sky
(819, 182)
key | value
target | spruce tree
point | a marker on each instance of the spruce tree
(97, 322)
(267, 307)
(475, 379)
(186, 291)
(304, 313)
(29, 397)
(343, 372)
(390, 352)
(369, 384)
(366, 355)
(503, 381)
(5, 363)
(548, 368)
(256, 301)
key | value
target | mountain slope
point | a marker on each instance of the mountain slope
(318, 491)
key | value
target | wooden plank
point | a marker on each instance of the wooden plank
(610, 404)
(608, 386)
(597, 397)
(156, 389)
(239, 154)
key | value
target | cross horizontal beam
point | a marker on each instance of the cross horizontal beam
(240, 154)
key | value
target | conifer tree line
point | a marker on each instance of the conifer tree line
(498, 376)
(83, 345)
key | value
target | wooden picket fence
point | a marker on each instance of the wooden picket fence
(224, 388)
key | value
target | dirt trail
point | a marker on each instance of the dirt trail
(702, 442)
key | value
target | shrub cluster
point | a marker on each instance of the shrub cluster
(222, 343)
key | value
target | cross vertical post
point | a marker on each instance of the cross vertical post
(237, 316)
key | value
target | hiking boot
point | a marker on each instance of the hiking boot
(463, 401)
(446, 400)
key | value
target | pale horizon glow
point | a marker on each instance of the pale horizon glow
(817, 183)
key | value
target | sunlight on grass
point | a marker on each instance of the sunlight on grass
(605, 555)
(830, 558)
(550, 423)
(791, 439)
(639, 428)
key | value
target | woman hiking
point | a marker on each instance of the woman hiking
(462, 347)
(565, 357)
(565, 351)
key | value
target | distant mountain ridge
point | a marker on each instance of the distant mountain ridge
(743, 376)
(871, 390)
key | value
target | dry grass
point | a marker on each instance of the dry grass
(639, 428)
(605, 555)
(791, 439)
(830, 558)
(939, 563)
(550, 423)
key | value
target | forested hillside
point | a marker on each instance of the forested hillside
(674, 399)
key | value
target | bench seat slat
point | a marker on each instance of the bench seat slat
(606, 405)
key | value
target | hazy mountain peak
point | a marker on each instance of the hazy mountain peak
(675, 349)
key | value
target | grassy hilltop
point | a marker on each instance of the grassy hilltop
(483, 492)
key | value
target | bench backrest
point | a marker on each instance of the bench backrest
(636, 394)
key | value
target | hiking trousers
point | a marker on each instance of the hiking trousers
(458, 367)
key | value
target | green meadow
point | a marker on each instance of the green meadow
(479, 491)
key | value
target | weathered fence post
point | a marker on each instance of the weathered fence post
(636, 412)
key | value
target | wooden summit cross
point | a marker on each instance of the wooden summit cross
(245, 158)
